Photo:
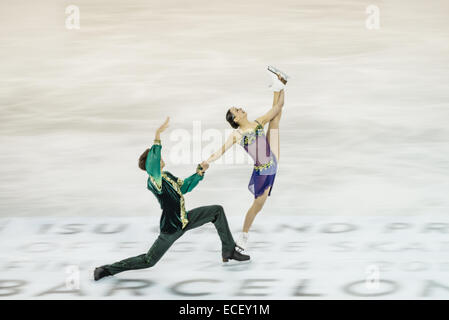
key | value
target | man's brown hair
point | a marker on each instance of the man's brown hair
(143, 159)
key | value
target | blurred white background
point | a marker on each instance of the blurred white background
(364, 130)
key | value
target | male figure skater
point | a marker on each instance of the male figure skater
(175, 221)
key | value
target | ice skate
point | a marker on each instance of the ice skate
(101, 272)
(235, 255)
(283, 76)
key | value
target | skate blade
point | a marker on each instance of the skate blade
(232, 263)
(276, 71)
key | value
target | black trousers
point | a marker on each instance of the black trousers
(197, 217)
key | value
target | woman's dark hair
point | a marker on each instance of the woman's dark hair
(143, 159)
(230, 119)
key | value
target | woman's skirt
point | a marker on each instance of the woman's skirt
(263, 178)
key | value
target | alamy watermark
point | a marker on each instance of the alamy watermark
(72, 281)
(197, 145)
(372, 21)
(372, 280)
(72, 20)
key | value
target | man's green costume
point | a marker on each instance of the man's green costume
(175, 221)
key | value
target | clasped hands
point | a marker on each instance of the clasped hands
(202, 167)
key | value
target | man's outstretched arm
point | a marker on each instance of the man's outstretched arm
(191, 182)
(153, 162)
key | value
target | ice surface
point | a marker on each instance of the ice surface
(308, 258)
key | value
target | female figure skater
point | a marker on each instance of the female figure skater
(263, 149)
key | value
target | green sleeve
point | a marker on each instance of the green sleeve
(189, 183)
(153, 166)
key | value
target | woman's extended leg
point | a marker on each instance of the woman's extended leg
(250, 215)
(254, 210)
(273, 127)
